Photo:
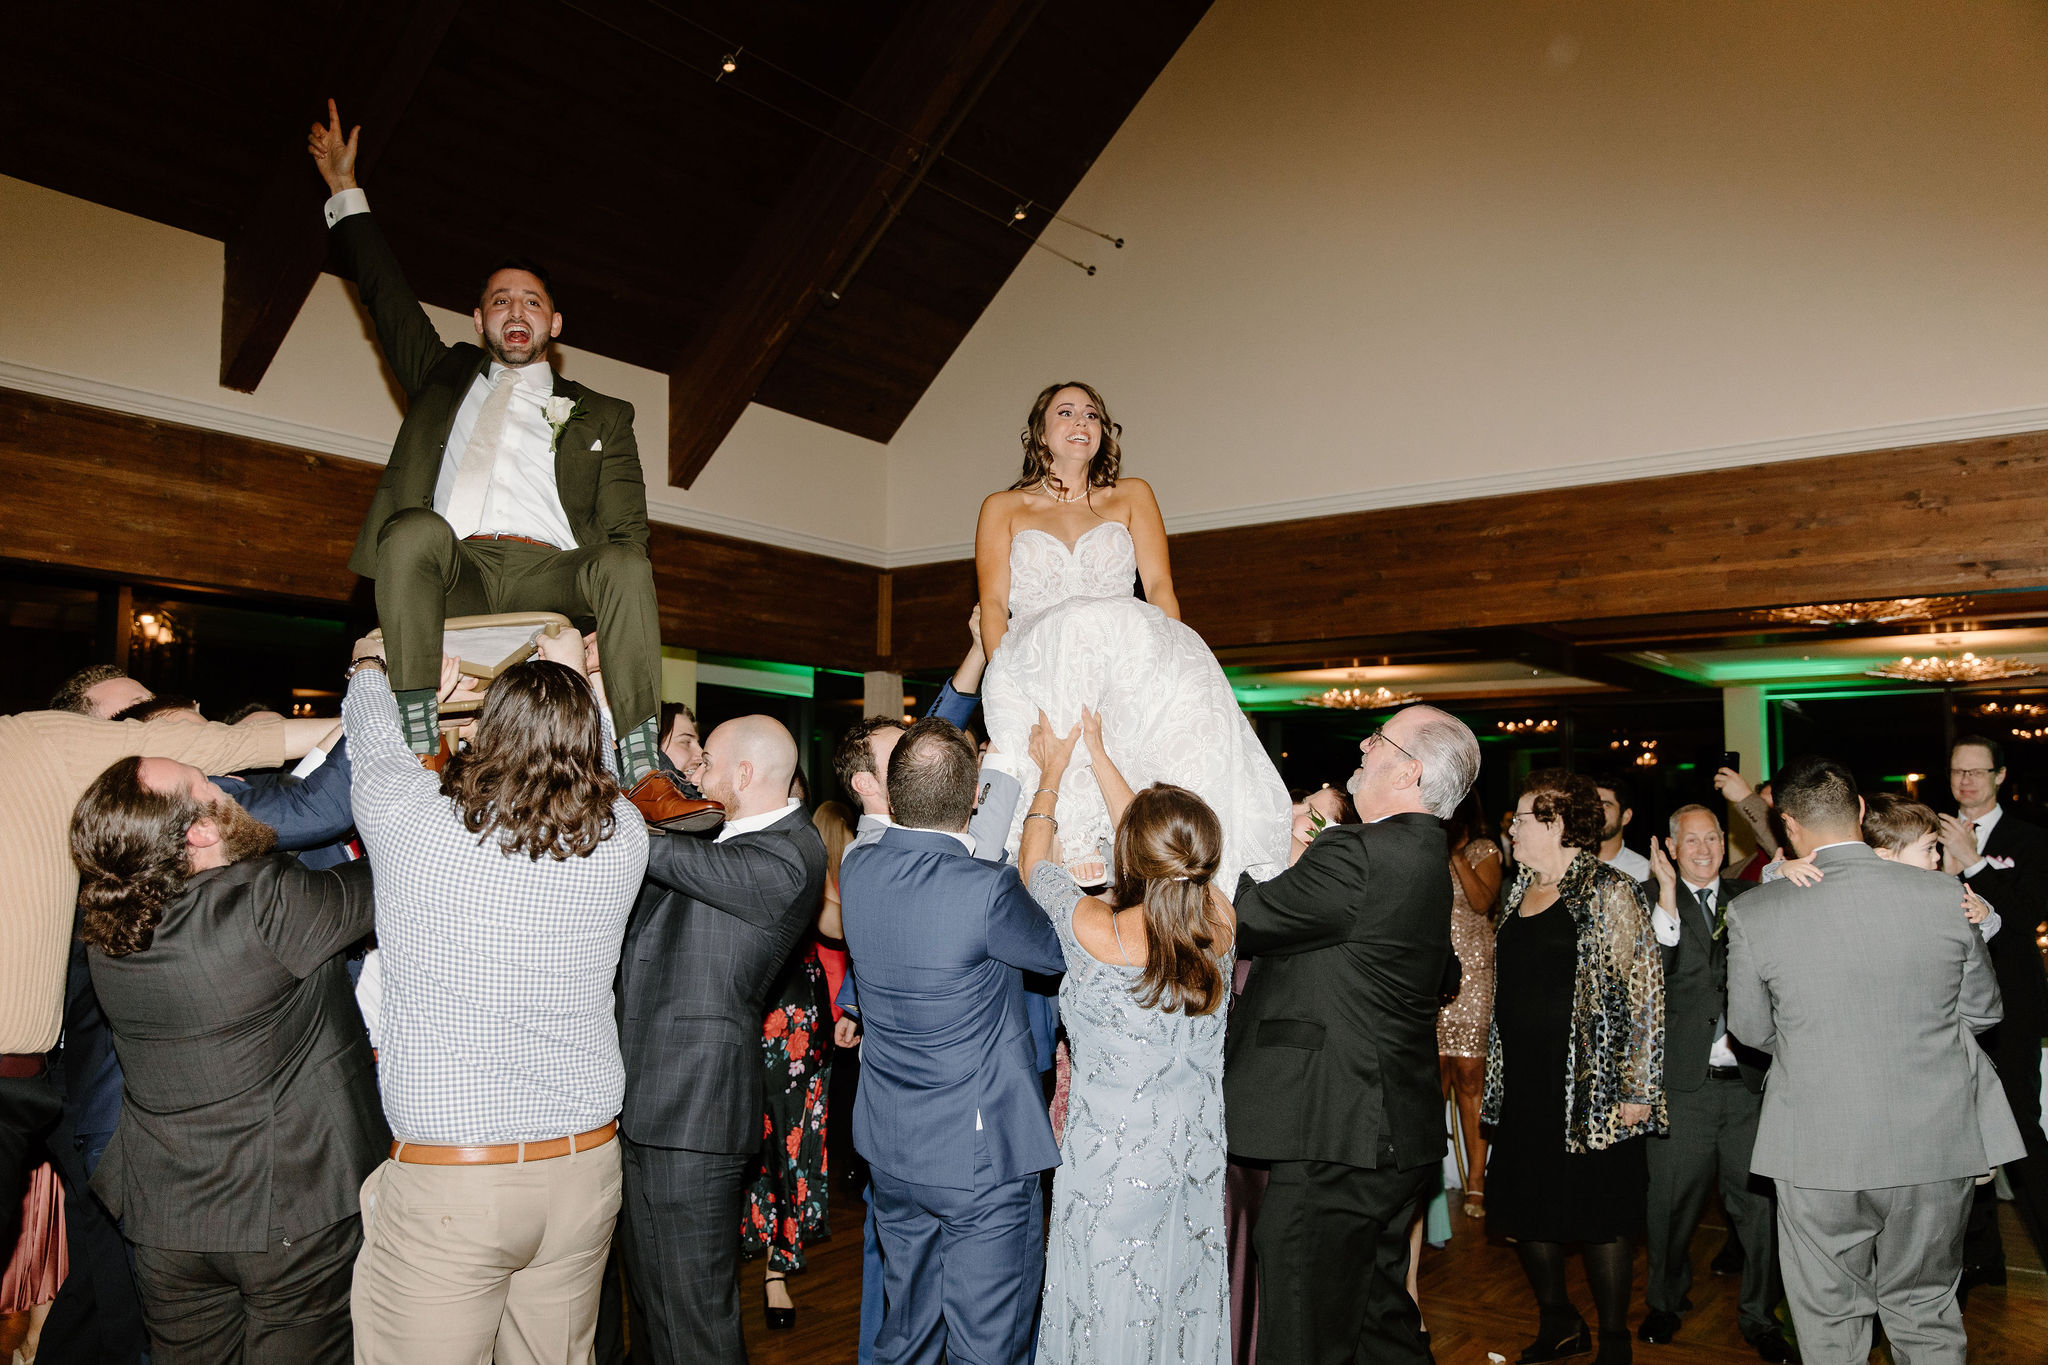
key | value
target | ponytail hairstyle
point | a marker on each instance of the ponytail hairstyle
(1167, 848)
(1109, 457)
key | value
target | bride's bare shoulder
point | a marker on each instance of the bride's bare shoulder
(999, 507)
(1127, 494)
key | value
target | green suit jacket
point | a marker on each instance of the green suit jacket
(602, 490)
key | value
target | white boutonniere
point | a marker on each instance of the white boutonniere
(559, 413)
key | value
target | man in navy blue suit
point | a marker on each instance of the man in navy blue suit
(950, 1116)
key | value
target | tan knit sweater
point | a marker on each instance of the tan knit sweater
(47, 760)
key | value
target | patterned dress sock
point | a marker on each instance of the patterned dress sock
(638, 750)
(419, 715)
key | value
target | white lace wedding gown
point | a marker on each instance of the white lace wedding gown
(1078, 637)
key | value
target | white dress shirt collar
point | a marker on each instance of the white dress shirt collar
(537, 378)
(751, 824)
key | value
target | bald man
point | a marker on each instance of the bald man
(715, 922)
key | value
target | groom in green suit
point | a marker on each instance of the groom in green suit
(510, 488)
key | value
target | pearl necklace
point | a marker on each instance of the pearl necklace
(1045, 487)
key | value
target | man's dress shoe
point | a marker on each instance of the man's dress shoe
(667, 803)
(1772, 1346)
(1660, 1325)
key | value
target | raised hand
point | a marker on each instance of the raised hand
(1729, 783)
(563, 647)
(333, 155)
(1975, 908)
(1051, 752)
(1661, 868)
(1958, 843)
(1800, 871)
(451, 676)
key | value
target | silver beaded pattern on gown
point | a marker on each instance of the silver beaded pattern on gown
(1137, 1269)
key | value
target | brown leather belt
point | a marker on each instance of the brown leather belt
(523, 540)
(20, 1066)
(503, 1154)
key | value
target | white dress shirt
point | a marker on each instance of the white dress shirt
(1631, 862)
(1667, 927)
(523, 499)
(751, 824)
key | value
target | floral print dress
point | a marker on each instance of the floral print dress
(786, 1196)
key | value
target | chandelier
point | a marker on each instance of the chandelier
(1864, 613)
(2017, 708)
(1936, 668)
(1360, 699)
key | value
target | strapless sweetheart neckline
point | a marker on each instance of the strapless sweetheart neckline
(1076, 546)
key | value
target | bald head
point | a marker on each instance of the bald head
(748, 763)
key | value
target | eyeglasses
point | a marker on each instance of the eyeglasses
(1379, 736)
(1519, 816)
(1971, 772)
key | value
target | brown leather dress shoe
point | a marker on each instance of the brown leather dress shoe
(436, 761)
(663, 806)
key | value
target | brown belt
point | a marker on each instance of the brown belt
(505, 1153)
(20, 1066)
(523, 540)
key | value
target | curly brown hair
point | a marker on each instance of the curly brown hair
(129, 845)
(1167, 848)
(1109, 456)
(1570, 798)
(535, 770)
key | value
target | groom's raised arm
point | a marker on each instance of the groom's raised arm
(1309, 905)
(410, 344)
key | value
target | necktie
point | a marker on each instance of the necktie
(1706, 896)
(473, 475)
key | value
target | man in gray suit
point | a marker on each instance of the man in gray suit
(1714, 1092)
(1878, 1115)
(251, 1114)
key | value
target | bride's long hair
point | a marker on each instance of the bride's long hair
(1167, 848)
(1102, 470)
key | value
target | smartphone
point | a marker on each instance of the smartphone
(1731, 760)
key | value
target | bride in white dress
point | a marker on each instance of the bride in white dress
(1057, 554)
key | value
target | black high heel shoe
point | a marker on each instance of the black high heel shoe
(1557, 1338)
(779, 1319)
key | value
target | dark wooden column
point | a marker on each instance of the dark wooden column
(276, 254)
(933, 64)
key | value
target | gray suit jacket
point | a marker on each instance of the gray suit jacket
(1696, 990)
(712, 928)
(250, 1089)
(1865, 990)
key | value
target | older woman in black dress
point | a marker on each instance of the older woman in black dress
(1575, 1064)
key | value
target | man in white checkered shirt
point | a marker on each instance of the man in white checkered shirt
(503, 888)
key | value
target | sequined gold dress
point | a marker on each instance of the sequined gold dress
(1461, 1025)
(1137, 1269)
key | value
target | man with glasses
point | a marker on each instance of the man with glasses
(1330, 1070)
(2004, 860)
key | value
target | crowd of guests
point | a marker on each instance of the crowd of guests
(602, 1054)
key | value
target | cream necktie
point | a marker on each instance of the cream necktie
(473, 475)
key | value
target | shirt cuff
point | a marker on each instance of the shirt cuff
(1974, 868)
(346, 204)
(1665, 926)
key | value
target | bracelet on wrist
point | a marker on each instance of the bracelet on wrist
(367, 661)
(1046, 791)
(1034, 815)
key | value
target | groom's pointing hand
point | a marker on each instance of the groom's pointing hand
(333, 155)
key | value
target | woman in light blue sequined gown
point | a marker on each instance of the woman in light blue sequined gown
(1137, 1269)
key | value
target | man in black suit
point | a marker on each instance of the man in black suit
(1713, 1087)
(1330, 1072)
(510, 488)
(713, 927)
(251, 1114)
(2005, 860)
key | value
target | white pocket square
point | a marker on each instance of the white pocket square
(597, 445)
(1998, 862)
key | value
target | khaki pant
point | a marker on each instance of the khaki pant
(462, 1265)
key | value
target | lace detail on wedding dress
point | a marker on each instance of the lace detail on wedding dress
(1078, 637)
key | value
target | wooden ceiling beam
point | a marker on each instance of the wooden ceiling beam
(277, 253)
(935, 61)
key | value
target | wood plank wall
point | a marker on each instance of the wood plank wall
(123, 496)
(1955, 517)
(114, 494)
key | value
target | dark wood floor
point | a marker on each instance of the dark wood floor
(1473, 1296)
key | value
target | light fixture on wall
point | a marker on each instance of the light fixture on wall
(156, 628)
(1525, 727)
(1360, 699)
(2012, 708)
(1876, 612)
(1941, 668)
